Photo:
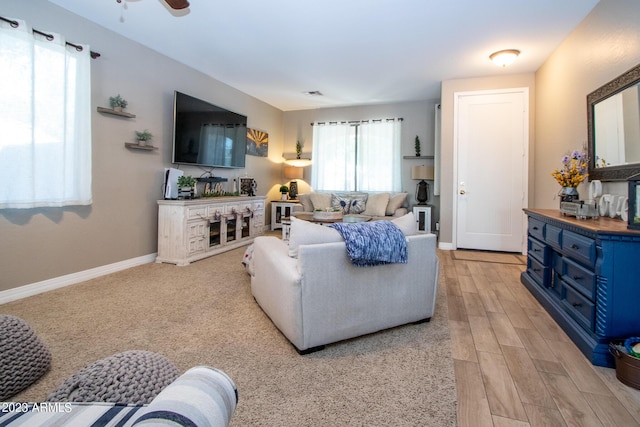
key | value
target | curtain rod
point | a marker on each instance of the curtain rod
(355, 122)
(49, 37)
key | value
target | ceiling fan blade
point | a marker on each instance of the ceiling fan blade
(178, 4)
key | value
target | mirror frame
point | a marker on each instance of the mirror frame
(609, 173)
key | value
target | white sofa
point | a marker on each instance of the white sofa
(376, 205)
(317, 296)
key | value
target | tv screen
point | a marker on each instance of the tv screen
(207, 135)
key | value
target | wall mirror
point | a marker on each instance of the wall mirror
(613, 120)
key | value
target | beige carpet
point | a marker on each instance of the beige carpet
(204, 314)
(486, 256)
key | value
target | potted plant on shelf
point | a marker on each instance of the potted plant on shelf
(117, 103)
(185, 185)
(283, 192)
(143, 137)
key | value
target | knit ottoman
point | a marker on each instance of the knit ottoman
(23, 357)
(130, 377)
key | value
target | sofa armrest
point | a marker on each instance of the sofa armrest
(202, 396)
(275, 285)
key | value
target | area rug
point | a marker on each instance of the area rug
(204, 314)
(486, 256)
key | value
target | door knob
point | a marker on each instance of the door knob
(462, 192)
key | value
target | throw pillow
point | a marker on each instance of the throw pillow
(340, 202)
(358, 203)
(305, 201)
(377, 204)
(321, 201)
(406, 223)
(395, 202)
(306, 233)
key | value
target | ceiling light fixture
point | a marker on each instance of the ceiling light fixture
(503, 58)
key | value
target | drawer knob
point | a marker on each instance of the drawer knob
(574, 246)
(577, 277)
(536, 250)
(577, 305)
(535, 228)
(536, 270)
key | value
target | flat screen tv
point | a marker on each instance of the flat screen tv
(207, 135)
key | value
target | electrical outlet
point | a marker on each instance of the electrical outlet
(437, 226)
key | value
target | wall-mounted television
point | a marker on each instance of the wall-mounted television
(207, 135)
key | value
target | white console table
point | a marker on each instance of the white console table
(423, 218)
(189, 230)
(279, 210)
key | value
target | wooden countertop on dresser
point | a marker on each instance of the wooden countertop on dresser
(599, 225)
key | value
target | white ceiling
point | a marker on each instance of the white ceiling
(353, 51)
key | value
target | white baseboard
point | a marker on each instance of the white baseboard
(70, 279)
(445, 246)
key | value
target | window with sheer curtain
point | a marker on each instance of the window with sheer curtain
(362, 156)
(45, 120)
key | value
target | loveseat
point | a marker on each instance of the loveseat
(315, 295)
(376, 205)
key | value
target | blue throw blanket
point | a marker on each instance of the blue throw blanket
(373, 243)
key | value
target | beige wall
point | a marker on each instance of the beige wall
(449, 88)
(603, 46)
(121, 224)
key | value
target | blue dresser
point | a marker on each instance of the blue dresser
(586, 274)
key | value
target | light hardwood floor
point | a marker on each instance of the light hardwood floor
(514, 366)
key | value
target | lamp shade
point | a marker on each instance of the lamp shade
(293, 172)
(422, 172)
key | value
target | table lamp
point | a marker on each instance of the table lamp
(293, 173)
(422, 189)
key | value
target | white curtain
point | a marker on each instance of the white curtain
(45, 120)
(363, 156)
(333, 157)
(379, 159)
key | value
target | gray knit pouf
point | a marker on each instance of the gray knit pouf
(24, 358)
(132, 377)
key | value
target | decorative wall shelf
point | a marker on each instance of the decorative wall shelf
(116, 113)
(139, 147)
(418, 157)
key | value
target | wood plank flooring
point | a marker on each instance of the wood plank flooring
(514, 365)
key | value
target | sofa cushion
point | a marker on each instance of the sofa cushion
(321, 201)
(396, 202)
(306, 233)
(406, 223)
(377, 204)
(305, 201)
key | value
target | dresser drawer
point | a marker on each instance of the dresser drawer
(540, 273)
(553, 236)
(538, 250)
(580, 278)
(536, 228)
(196, 212)
(579, 307)
(580, 248)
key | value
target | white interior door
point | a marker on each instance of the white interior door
(491, 140)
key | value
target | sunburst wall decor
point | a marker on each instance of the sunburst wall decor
(257, 143)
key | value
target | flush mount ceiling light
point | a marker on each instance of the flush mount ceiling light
(502, 58)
